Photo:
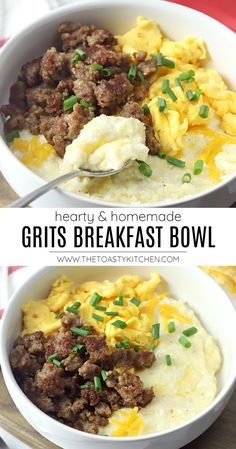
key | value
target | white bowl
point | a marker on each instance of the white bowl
(190, 284)
(175, 20)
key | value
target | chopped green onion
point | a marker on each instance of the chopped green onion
(112, 313)
(97, 317)
(171, 327)
(190, 95)
(159, 57)
(59, 315)
(197, 94)
(104, 375)
(84, 386)
(103, 308)
(72, 310)
(97, 67)
(204, 111)
(52, 357)
(144, 168)
(120, 324)
(136, 348)
(184, 342)
(168, 360)
(178, 83)
(76, 348)
(11, 136)
(56, 362)
(135, 301)
(161, 155)
(96, 298)
(190, 80)
(198, 167)
(75, 59)
(168, 63)
(186, 75)
(69, 102)
(161, 104)
(123, 344)
(132, 72)
(186, 178)
(176, 162)
(85, 104)
(104, 70)
(156, 331)
(146, 109)
(76, 304)
(80, 331)
(120, 301)
(152, 347)
(165, 86)
(97, 383)
(190, 331)
(141, 77)
(80, 52)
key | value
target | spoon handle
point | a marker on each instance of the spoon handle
(27, 199)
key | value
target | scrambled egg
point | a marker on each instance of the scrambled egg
(106, 142)
(145, 36)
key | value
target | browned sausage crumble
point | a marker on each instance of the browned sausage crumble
(77, 379)
(87, 65)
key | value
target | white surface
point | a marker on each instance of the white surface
(175, 20)
(182, 282)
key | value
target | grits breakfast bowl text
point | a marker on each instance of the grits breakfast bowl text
(98, 100)
(128, 356)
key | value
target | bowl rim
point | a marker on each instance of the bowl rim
(88, 5)
(7, 371)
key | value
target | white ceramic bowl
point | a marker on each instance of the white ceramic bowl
(117, 15)
(190, 284)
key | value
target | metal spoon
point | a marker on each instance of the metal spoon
(27, 199)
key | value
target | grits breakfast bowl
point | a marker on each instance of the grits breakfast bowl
(99, 94)
(132, 356)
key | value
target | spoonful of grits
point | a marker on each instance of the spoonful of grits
(105, 146)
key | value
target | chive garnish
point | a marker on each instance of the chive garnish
(97, 383)
(103, 308)
(59, 315)
(190, 80)
(98, 317)
(168, 360)
(165, 85)
(110, 313)
(159, 59)
(135, 301)
(69, 102)
(123, 344)
(161, 155)
(190, 95)
(175, 161)
(190, 331)
(197, 94)
(136, 348)
(85, 104)
(52, 357)
(141, 77)
(184, 342)
(156, 331)
(145, 109)
(11, 136)
(161, 104)
(75, 59)
(77, 304)
(171, 327)
(144, 168)
(56, 362)
(84, 386)
(204, 111)
(96, 298)
(152, 347)
(104, 375)
(178, 83)
(120, 324)
(186, 75)
(80, 54)
(104, 70)
(76, 348)
(120, 301)
(198, 167)
(80, 331)
(132, 72)
(167, 90)
(162, 61)
(72, 310)
(186, 178)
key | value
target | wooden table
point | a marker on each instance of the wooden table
(222, 435)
